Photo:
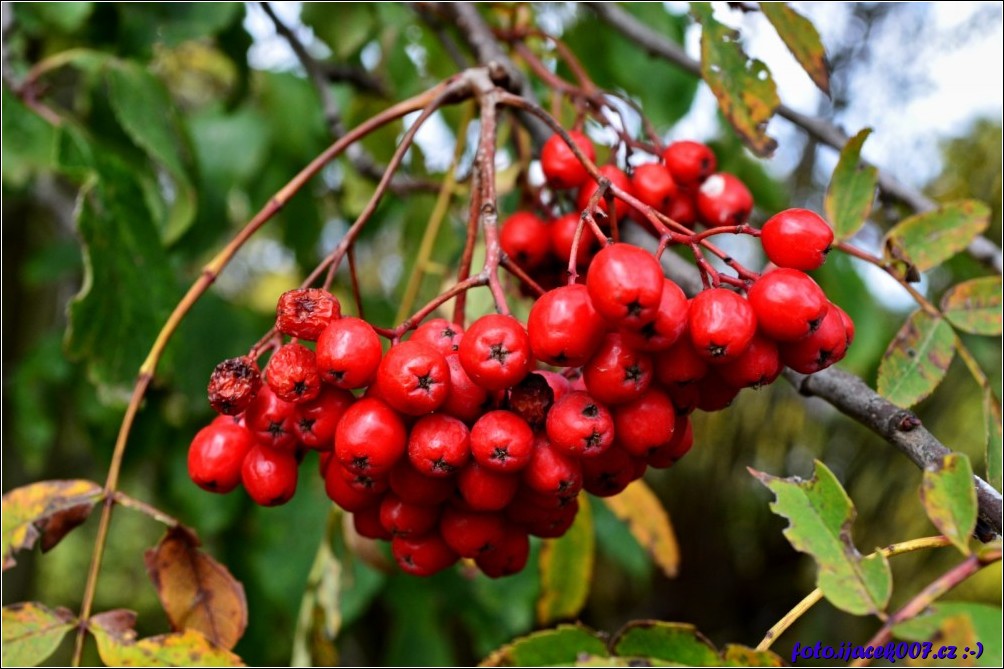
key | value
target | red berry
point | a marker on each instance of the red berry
(531, 399)
(548, 523)
(563, 231)
(724, 200)
(486, 490)
(675, 448)
(757, 366)
(501, 441)
(216, 455)
(680, 363)
(608, 473)
(509, 557)
(654, 185)
(580, 425)
(560, 386)
(470, 533)
(342, 493)
(848, 323)
(292, 374)
(402, 519)
(305, 312)
(796, 238)
(670, 322)
(269, 476)
(625, 284)
(348, 353)
(370, 437)
(561, 167)
(376, 485)
(822, 348)
(233, 385)
(721, 324)
(272, 420)
(683, 208)
(553, 471)
(525, 239)
(314, 422)
(439, 445)
(617, 373)
(414, 378)
(422, 556)
(689, 162)
(367, 524)
(618, 178)
(440, 334)
(788, 304)
(714, 393)
(644, 424)
(415, 487)
(564, 328)
(466, 399)
(495, 352)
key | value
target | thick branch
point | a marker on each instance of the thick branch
(981, 248)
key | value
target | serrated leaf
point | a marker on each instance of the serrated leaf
(821, 517)
(196, 591)
(741, 656)
(916, 360)
(950, 499)
(995, 440)
(561, 645)
(802, 39)
(639, 508)
(566, 569)
(679, 643)
(744, 87)
(926, 240)
(144, 109)
(32, 631)
(975, 306)
(39, 509)
(951, 622)
(117, 645)
(851, 192)
(128, 286)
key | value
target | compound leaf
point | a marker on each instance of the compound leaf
(916, 360)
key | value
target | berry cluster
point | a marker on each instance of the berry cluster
(453, 444)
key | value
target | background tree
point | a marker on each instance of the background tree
(139, 139)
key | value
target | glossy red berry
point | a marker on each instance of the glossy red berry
(670, 322)
(625, 284)
(564, 328)
(370, 437)
(788, 304)
(495, 352)
(466, 399)
(305, 312)
(546, 523)
(796, 238)
(272, 420)
(422, 556)
(561, 167)
(721, 324)
(233, 385)
(553, 471)
(580, 425)
(680, 363)
(216, 455)
(484, 489)
(617, 373)
(563, 231)
(415, 487)
(501, 441)
(403, 519)
(653, 184)
(269, 476)
(440, 334)
(439, 445)
(689, 162)
(824, 347)
(608, 473)
(470, 533)
(525, 239)
(618, 178)
(367, 524)
(348, 353)
(314, 422)
(349, 497)
(848, 323)
(758, 365)
(292, 374)
(724, 200)
(644, 424)
(509, 557)
(683, 208)
(414, 378)
(681, 443)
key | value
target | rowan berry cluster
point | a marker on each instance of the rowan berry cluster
(457, 444)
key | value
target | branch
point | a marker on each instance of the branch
(981, 248)
(357, 76)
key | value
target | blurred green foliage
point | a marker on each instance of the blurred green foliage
(167, 141)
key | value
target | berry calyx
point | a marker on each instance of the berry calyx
(625, 284)
(233, 385)
(292, 374)
(721, 324)
(495, 352)
(414, 378)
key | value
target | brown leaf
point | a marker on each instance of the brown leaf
(46, 510)
(118, 647)
(197, 592)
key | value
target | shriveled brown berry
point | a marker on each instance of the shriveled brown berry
(305, 312)
(531, 399)
(233, 384)
(292, 374)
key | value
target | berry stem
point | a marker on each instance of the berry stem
(489, 205)
(464, 269)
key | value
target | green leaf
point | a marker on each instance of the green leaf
(39, 18)
(744, 88)
(29, 142)
(128, 287)
(562, 645)
(802, 39)
(821, 516)
(950, 499)
(32, 631)
(344, 27)
(566, 569)
(46, 510)
(144, 109)
(984, 622)
(975, 306)
(851, 192)
(924, 241)
(118, 646)
(916, 360)
(639, 508)
(320, 618)
(995, 441)
(142, 25)
(740, 656)
(679, 643)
